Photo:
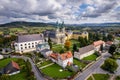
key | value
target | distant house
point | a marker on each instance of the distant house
(62, 59)
(84, 52)
(27, 43)
(97, 44)
(11, 68)
(44, 49)
(76, 35)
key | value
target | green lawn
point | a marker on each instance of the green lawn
(53, 71)
(80, 64)
(101, 76)
(4, 62)
(91, 57)
(45, 63)
(90, 78)
(57, 47)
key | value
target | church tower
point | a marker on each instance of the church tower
(63, 28)
(57, 25)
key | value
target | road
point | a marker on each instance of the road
(92, 68)
(34, 68)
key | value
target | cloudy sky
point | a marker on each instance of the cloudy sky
(69, 11)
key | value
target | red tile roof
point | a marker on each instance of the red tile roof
(97, 43)
(63, 56)
(54, 56)
(15, 65)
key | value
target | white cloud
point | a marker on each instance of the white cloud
(67, 10)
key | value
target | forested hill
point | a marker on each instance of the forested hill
(30, 24)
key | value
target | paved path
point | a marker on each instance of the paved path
(34, 68)
(92, 68)
(46, 66)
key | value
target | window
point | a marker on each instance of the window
(28, 43)
(35, 42)
(21, 48)
(29, 46)
(25, 47)
(25, 44)
(33, 46)
(21, 44)
(32, 43)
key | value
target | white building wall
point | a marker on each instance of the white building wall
(24, 47)
(81, 56)
(64, 63)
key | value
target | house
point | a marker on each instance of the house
(11, 68)
(44, 49)
(84, 52)
(27, 43)
(76, 35)
(58, 36)
(65, 59)
(98, 44)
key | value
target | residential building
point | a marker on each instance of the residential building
(65, 59)
(11, 68)
(84, 52)
(98, 44)
(84, 34)
(44, 49)
(27, 43)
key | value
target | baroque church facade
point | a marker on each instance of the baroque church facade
(58, 36)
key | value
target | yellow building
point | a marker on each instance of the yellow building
(80, 34)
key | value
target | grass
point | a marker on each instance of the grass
(77, 62)
(91, 57)
(53, 71)
(101, 76)
(19, 76)
(4, 62)
(44, 63)
(90, 78)
(58, 47)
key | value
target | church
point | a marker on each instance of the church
(58, 36)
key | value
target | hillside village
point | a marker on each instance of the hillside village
(60, 50)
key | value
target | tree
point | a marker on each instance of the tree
(67, 44)
(82, 41)
(50, 43)
(112, 49)
(74, 47)
(101, 47)
(110, 37)
(110, 65)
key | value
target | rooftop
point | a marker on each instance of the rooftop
(30, 37)
(86, 49)
(97, 43)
